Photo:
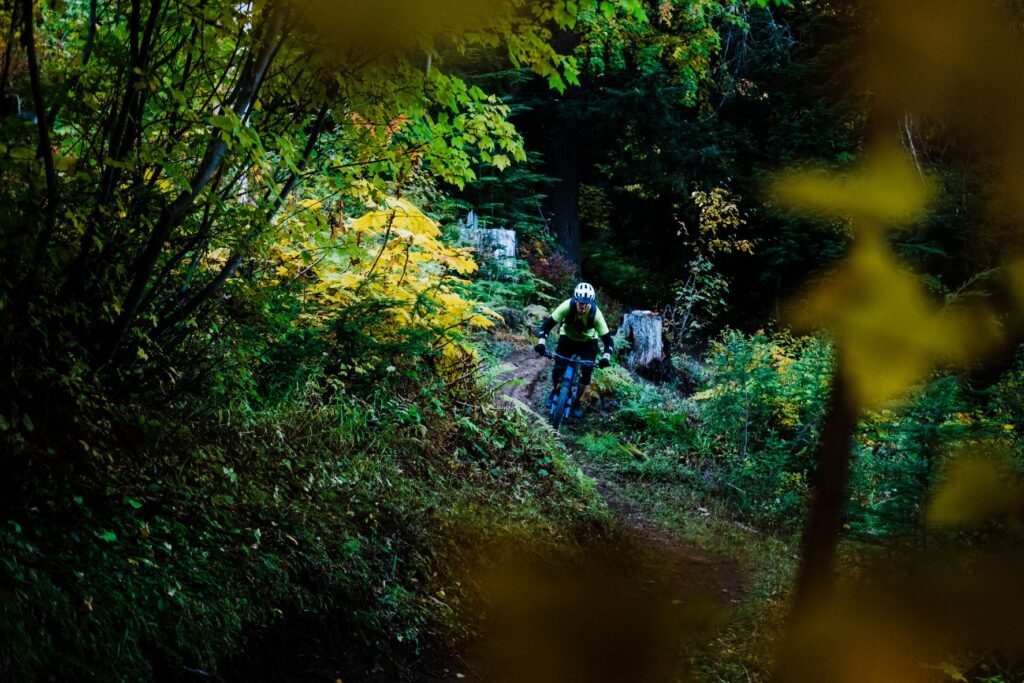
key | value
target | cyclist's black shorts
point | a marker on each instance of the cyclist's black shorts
(587, 350)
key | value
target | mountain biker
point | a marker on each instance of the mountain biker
(582, 325)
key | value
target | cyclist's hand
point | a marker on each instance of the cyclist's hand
(542, 346)
(605, 361)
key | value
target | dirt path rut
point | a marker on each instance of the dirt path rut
(527, 381)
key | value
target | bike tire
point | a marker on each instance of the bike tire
(560, 405)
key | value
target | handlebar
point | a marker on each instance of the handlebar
(574, 359)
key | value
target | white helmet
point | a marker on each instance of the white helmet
(584, 292)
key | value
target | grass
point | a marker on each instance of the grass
(642, 451)
(333, 528)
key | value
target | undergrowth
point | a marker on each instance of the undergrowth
(730, 467)
(187, 541)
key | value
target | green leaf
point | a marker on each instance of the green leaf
(227, 123)
(22, 153)
(108, 536)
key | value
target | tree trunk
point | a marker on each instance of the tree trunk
(649, 356)
(173, 213)
(44, 151)
(564, 160)
(564, 199)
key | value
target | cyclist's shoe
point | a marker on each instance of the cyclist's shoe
(577, 411)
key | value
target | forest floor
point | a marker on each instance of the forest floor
(692, 569)
(643, 604)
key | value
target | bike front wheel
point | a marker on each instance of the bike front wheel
(560, 406)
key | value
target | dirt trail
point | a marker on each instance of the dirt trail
(527, 381)
(645, 575)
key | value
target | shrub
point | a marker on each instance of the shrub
(555, 269)
(613, 383)
(314, 518)
(760, 411)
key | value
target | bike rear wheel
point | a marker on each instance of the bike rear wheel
(560, 406)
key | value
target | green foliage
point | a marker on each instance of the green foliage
(615, 383)
(619, 273)
(509, 198)
(759, 416)
(757, 429)
(206, 154)
(239, 396)
(344, 507)
(514, 298)
(701, 297)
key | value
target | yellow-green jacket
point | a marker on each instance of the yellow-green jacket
(591, 325)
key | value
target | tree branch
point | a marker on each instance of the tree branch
(239, 253)
(824, 523)
(44, 150)
(172, 214)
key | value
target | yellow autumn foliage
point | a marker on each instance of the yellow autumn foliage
(392, 253)
(889, 332)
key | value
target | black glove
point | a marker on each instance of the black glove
(541, 347)
(604, 362)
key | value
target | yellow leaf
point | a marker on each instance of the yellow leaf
(977, 486)
(952, 671)
(1015, 276)
(888, 189)
(890, 334)
(400, 215)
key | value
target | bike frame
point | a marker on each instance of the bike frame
(568, 387)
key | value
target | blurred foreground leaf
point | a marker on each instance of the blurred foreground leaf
(978, 486)
(887, 190)
(891, 334)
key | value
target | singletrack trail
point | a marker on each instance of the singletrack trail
(527, 382)
(644, 604)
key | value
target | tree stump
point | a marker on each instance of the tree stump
(496, 248)
(649, 356)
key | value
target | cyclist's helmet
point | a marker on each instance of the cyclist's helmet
(584, 293)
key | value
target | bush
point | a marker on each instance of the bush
(313, 519)
(555, 269)
(760, 412)
(613, 383)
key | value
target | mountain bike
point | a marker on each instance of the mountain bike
(568, 387)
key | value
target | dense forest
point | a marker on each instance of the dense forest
(272, 277)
